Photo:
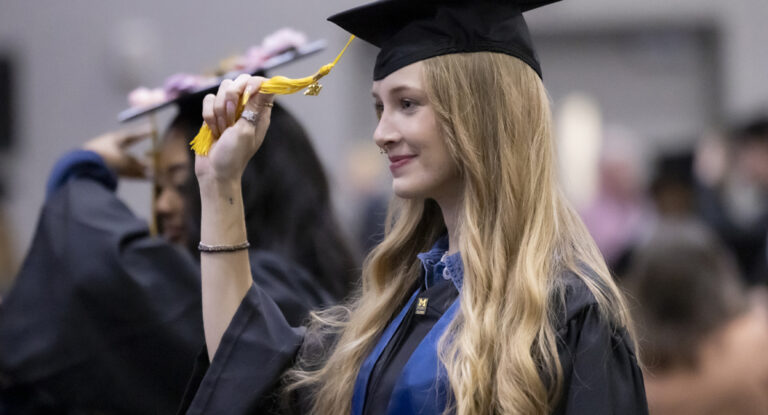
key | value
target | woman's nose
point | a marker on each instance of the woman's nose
(385, 134)
(166, 202)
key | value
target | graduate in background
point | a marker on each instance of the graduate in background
(104, 318)
(703, 336)
(487, 294)
(734, 197)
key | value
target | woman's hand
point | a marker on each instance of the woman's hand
(113, 149)
(238, 139)
(227, 278)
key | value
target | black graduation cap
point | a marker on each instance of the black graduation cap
(408, 31)
(195, 95)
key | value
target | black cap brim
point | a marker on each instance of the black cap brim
(408, 31)
(380, 20)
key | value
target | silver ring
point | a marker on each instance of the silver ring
(250, 116)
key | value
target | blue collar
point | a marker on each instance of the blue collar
(436, 263)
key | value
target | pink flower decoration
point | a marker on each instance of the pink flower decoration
(144, 97)
(283, 40)
(181, 83)
(274, 44)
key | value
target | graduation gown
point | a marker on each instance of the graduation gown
(104, 318)
(402, 373)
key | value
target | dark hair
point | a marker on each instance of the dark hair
(287, 202)
(754, 130)
(686, 286)
(672, 184)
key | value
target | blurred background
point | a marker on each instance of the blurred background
(658, 74)
(658, 107)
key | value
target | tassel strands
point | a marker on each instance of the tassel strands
(279, 85)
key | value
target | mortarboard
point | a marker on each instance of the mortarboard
(407, 31)
(186, 91)
(282, 47)
(279, 85)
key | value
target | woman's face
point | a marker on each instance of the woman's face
(173, 173)
(408, 130)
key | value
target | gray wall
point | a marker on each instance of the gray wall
(79, 58)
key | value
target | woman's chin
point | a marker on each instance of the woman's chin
(405, 190)
(175, 238)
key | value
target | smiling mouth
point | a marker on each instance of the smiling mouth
(396, 162)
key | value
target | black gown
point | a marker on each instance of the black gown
(105, 319)
(601, 373)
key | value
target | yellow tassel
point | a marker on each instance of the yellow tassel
(203, 141)
(279, 85)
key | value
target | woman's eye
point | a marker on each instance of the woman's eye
(379, 107)
(408, 105)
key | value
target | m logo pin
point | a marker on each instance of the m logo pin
(421, 306)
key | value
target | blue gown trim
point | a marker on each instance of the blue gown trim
(358, 399)
(422, 387)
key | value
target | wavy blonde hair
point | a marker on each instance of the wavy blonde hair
(518, 235)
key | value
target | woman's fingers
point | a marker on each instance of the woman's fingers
(209, 115)
(113, 147)
(220, 105)
(258, 102)
(225, 103)
(127, 137)
(135, 168)
(220, 110)
(238, 139)
(259, 107)
(235, 91)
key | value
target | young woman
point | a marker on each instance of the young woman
(511, 310)
(104, 318)
(288, 213)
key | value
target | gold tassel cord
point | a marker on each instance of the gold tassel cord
(155, 157)
(279, 85)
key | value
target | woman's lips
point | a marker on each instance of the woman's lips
(173, 232)
(395, 162)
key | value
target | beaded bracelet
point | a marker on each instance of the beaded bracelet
(222, 248)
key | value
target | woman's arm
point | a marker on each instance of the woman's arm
(601, 374)
(226, 277)
(95, 295)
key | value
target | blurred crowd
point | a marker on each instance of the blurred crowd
(685, 235)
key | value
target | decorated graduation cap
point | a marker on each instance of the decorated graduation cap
(279, 85)
(408, 31)
(281, 47)
(186, 91)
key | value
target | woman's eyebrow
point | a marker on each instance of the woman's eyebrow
(397, 89)
(176, 168)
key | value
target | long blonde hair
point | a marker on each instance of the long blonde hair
(517, 233)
